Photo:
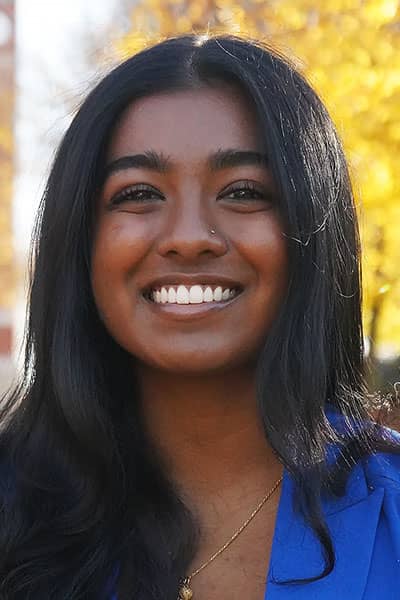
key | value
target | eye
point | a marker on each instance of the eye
(247, 190)
(140, 194)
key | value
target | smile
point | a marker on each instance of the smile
(195, 294)
(181, 302)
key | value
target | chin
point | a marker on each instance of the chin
(188, 363)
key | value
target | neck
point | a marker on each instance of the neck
(210, 436)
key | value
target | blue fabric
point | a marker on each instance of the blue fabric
(365, 529)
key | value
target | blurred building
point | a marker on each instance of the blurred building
(7, 278)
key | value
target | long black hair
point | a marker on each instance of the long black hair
(82, 488)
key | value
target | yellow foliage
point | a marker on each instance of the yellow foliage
(350, 52)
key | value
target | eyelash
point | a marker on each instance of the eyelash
(131, 193)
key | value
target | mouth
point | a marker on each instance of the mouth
(180, 302)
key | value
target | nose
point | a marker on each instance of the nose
(187, 232)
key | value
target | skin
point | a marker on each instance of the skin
(197, 377)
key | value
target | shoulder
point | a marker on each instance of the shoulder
(370, 513)
(380, 515)
(382, 469)
(378, 469)
(364, 526)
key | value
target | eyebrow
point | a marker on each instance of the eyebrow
(222, 159)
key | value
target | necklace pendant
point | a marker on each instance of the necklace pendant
(185, 592)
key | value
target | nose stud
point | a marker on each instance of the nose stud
(212, 230)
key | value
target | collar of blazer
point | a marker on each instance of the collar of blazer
(297, 554)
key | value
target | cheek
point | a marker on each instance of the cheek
(117, 252)
(117, 244)
(264, 246)
(275, 263)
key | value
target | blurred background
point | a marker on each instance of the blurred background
(52, 53)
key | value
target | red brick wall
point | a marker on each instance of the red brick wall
(5, 340)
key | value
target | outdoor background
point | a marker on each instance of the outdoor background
(51, 54)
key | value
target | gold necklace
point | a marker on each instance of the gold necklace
(185, 591)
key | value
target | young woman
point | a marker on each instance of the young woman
(191, 421)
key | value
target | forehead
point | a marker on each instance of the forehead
(187, 124)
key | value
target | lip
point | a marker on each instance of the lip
(189, 312)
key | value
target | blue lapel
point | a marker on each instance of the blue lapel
(295, 554)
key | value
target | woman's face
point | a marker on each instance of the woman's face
(179, 165)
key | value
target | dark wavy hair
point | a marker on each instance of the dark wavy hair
(85, 498)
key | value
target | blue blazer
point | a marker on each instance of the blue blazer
(365, 529)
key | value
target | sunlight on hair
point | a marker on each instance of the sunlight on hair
(201, 39)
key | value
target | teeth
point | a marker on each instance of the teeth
(208, 295)
(196, 294)
(171, 295)
(218, 294)
(182, 295)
